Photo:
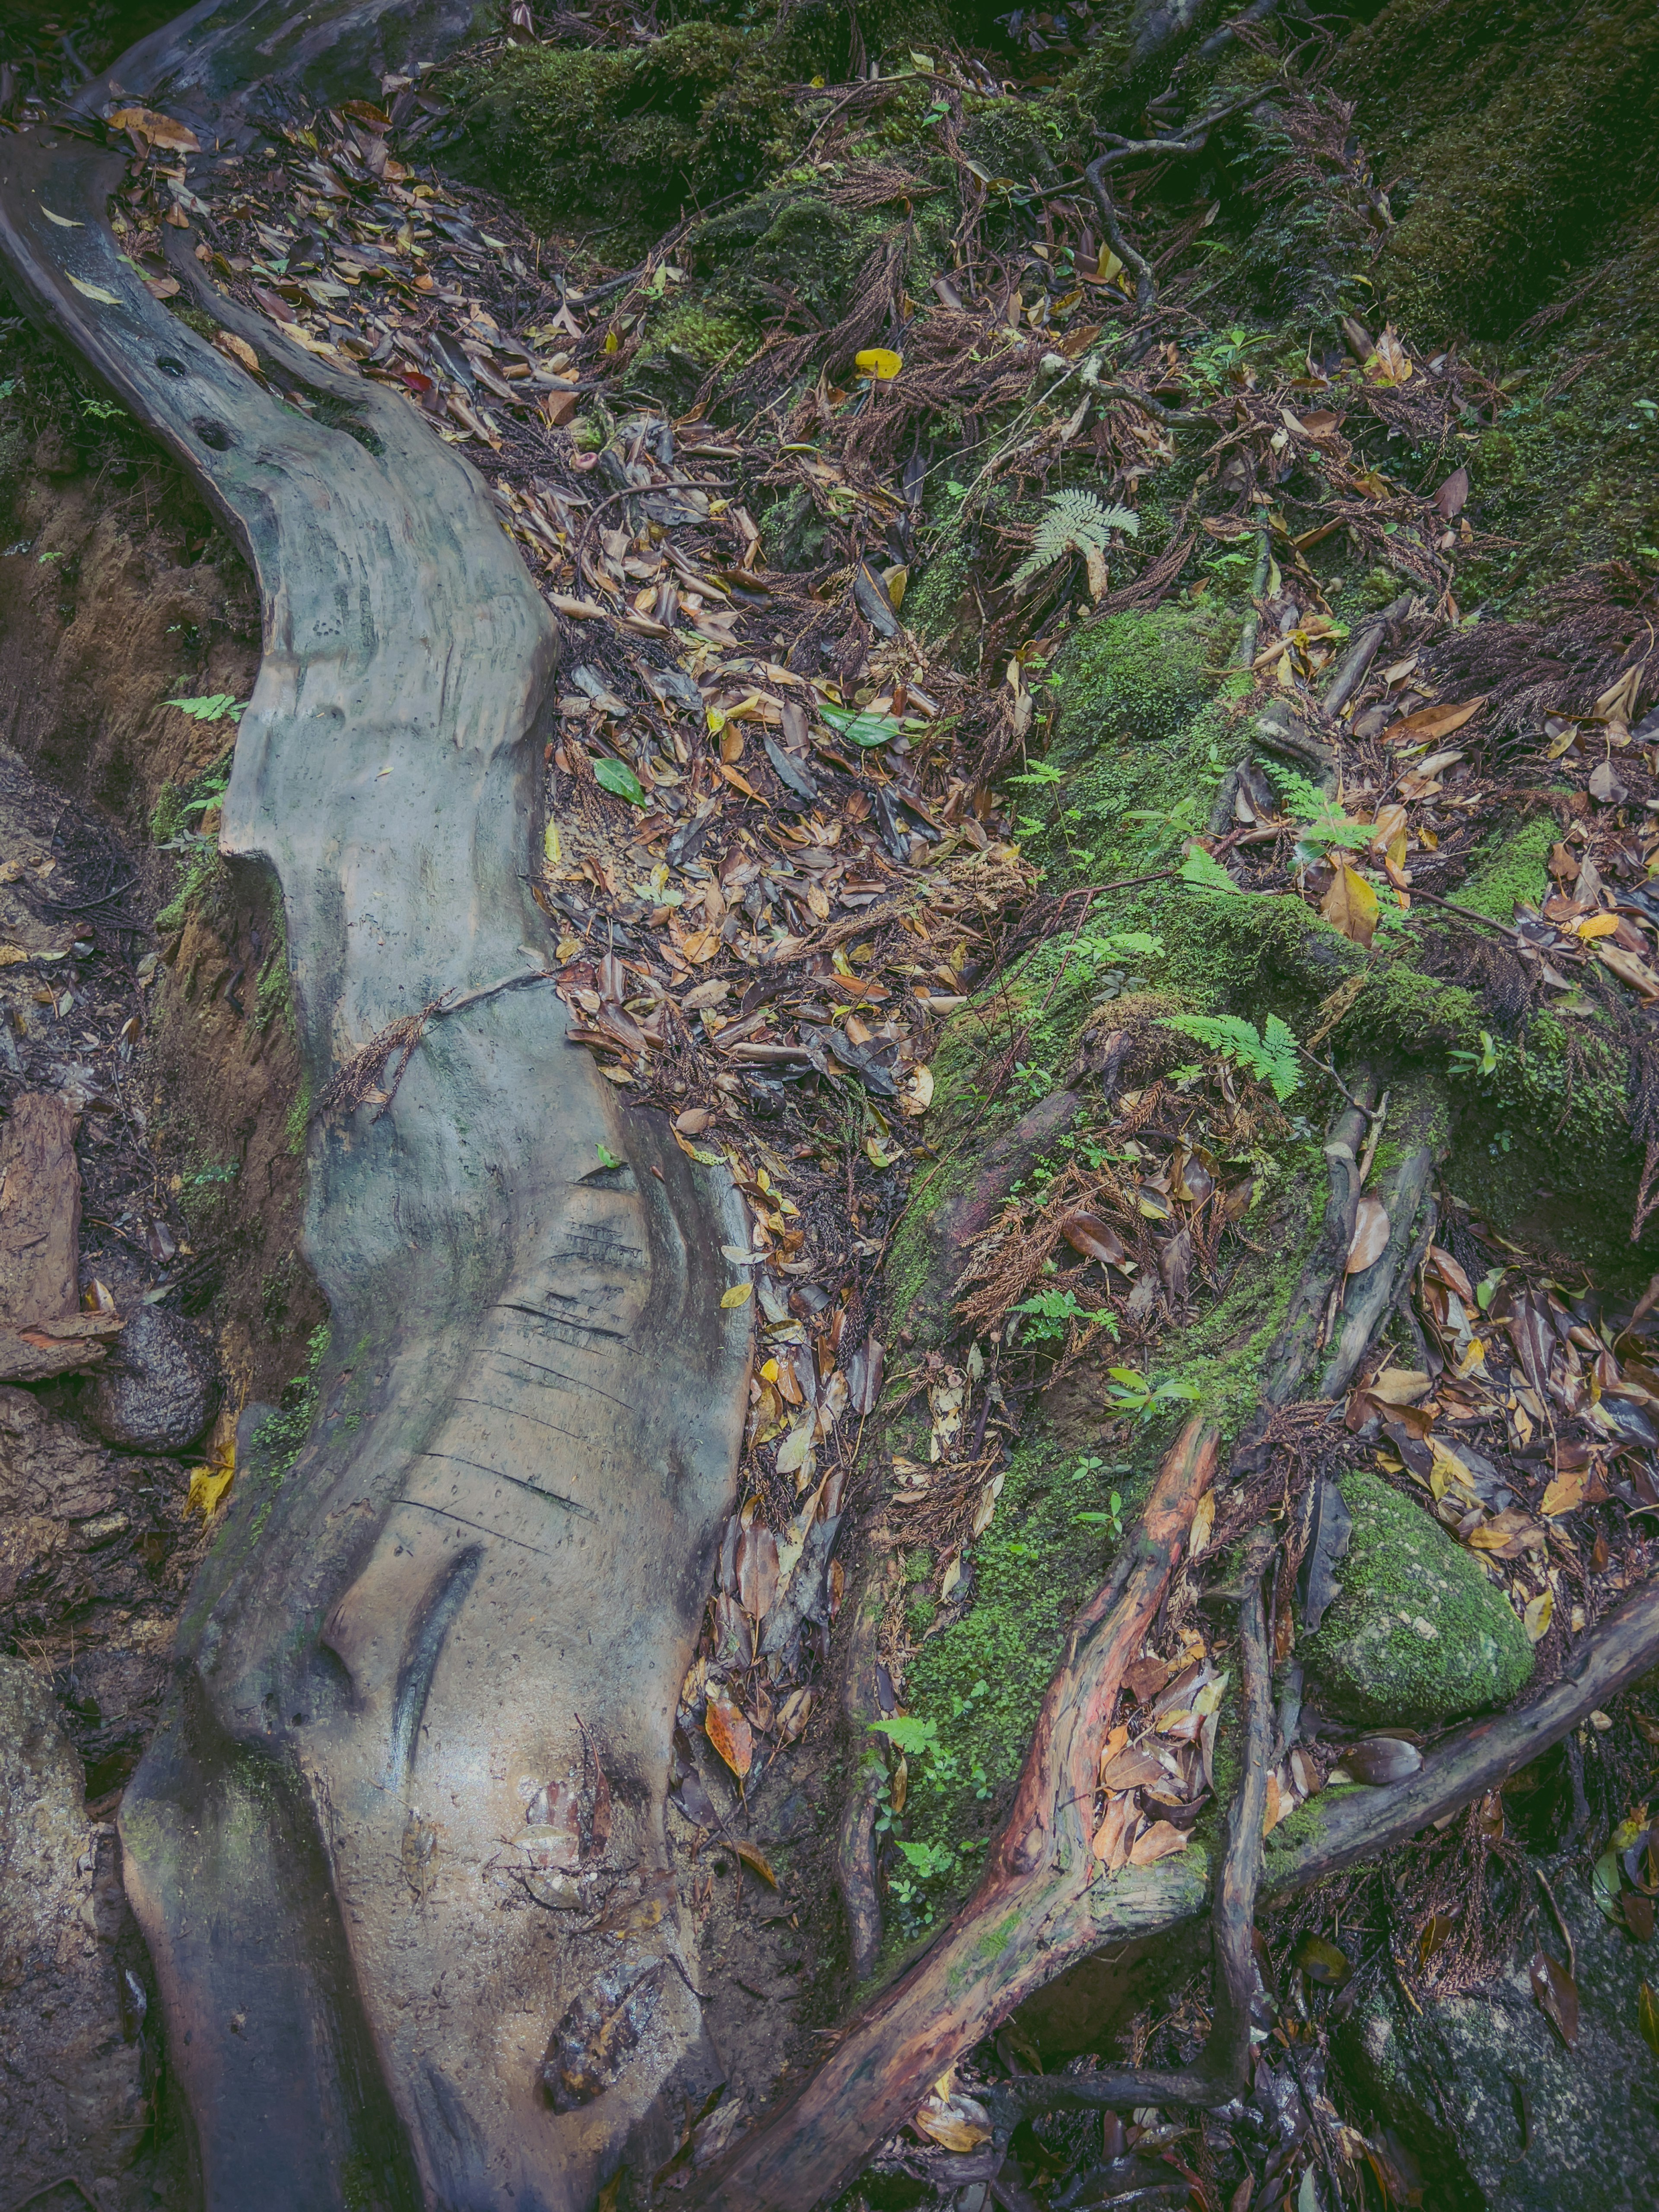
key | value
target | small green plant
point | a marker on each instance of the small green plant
(1049, 1315)
(1124, 944)
(1130, 1392)
(1074, 521)
(1326, 827)
(926, 1762)
(1112, 1518)
(1225, 360)
(1269, 1055)
(1464, 1061)
(216, 706)
(102, 411)
(1204, 872)
(1039, 772)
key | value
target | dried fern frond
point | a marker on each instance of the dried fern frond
(1080, 522)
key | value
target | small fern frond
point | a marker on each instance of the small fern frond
(1269, 1055)
(1073, 521)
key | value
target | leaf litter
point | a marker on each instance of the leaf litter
(774, 865)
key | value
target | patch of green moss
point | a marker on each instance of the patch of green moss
(1512, 869)
(1032, 1568)
(1420, 1635)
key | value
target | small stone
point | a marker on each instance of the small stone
(158, 1389)
(1456, 1648)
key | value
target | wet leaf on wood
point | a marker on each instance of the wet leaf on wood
(1158, 1842)
(1557, 1995)
(1370, 1235)
(1379, 1760)
(1647, 2017)
(1130, 1770)
(1327, 1543)
(1322, 1962)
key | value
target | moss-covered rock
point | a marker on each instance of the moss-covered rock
(1419, 1635)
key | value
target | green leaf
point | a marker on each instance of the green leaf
(1270, 1055)
(1204, 872)
(607, 1157)
(216, 706)
(1073, 520)
(622, 782)
(908, 1733)
(1647, 2018)
(861, 729)
(1605, 1887)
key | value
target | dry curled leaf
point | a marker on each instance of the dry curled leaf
(1160, 1841)
(1095, 1238)
(1370, 1235)
(1351, 905)
(730, 1733)
(757, 1859)
(1557, 1994)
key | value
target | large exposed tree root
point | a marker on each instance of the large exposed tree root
(485, 1571)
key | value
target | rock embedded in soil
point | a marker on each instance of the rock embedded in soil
(159, 1388)
(1419, 1635)
(1447, 2083)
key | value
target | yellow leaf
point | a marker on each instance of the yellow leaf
(551, 841)
(1564, 1495)
(1596, 925)
(160, 129)
(1203, 1523)
(62, 221)
(238, 349)
(1351, 903)
(1536, 1618)
(1647, 2018)
(757, 1859)
(210, 1481)
(95, 292)
(729, 1732)
(1432, 722)
(738, 1295)
(878, 361)
(896, 580)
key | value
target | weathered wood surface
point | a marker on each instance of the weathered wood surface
(505, 1515)
(43, 1331)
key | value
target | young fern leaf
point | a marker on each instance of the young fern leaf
(1269, 1055)
(1075, 521)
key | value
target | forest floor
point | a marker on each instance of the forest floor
(1079, 691)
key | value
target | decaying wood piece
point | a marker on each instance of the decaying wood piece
(42, 1330)
(353, 1843)
(1044, 1899)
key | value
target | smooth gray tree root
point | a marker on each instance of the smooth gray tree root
(476, 1590)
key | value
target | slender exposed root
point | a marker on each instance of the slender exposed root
(1044, 1900)
(1222, 2070)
